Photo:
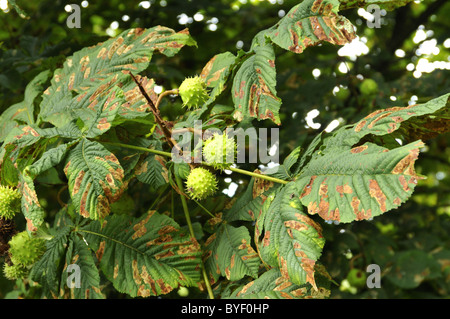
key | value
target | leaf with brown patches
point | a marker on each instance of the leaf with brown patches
(153, 254)
(216, 72)
(229, 251)
(152, 170)
(92, 70)
(347, 184)
(296, 241)
(273, 285)
(95, 179)
(368, 157)
(413, 122)
(310, 23)
(248, 205)
(66, 248)
(23, 111)
(253, 92)
(98, 119)
(31, 208)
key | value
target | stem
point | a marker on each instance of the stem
(261, 176)
(205, 209)
(234, 169)
(191, 230)
(164, 94)
(139, 148)
(161, 123)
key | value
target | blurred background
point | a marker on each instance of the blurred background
(407, 58)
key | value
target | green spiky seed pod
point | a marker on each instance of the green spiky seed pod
(193, 92)
(220, 151)
(9, 202)
(201, 183)
(26, 250)
(13, 272)
(368, 87)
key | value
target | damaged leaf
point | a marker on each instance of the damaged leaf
(148, 256)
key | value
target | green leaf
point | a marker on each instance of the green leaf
(309, 23)
(283, 171)
(253, 91)
(410, 268)
(95, 179)
(47, 270)
(9, 174)
(248, 205)
(48, 160)
(153, 171)
(229, 253)
(79, 254)
(19, 11)
(287, 238)
(144, 257)
(23, 111)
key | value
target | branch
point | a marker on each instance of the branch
(161, 123)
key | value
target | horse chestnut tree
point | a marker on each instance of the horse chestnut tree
(97, 141)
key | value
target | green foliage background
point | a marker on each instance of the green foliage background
(413, 239)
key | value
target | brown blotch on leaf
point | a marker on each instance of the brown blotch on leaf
(379, 118)
(260, 185)
(359, 149)
(376, 192)
(406, 164)
(77, 183)
(344, 189)
(360, 214)
(404, 183)
(307, 189)
(165, 289)
(360, 125)
(266, 239)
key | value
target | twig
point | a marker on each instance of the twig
(164, 94)
(191, 230)
(161, 123)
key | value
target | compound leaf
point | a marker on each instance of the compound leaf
(148, 256)
(47, 270)
(94, 69)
